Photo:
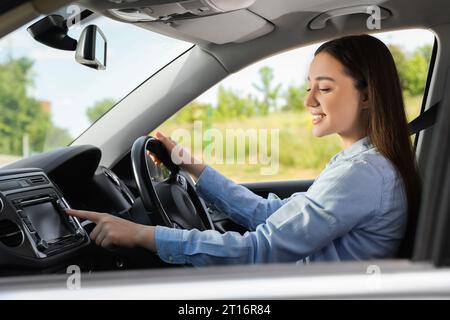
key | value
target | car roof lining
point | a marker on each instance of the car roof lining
(287, 26)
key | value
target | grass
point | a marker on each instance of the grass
(301, 155)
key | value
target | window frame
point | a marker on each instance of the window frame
(427, 87)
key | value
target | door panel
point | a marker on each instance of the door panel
(282, 189)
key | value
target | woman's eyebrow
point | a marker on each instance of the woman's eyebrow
(322, 78)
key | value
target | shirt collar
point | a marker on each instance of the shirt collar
(357, 147)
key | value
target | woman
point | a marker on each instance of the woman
(356, 209)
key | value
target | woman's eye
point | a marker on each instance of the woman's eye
(324, 89)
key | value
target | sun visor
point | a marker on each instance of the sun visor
(216, 28)
(196, 21)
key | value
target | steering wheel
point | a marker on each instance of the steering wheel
(171, 201)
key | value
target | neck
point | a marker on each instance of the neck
(349, 139)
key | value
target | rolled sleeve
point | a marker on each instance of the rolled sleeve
(169, 242)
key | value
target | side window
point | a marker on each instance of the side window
(253, 126)
(412, 52)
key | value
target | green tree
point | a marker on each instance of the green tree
(269, 91)
(295, 97)
(412, 68)
(426, 51)
(99, 108)
(22, 115)
(230, 104)
(416, 74)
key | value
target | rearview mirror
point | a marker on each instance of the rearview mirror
(52, 31)
(91, 48)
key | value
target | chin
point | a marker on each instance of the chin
(318, 133)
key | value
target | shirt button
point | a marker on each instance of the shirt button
(170, 258)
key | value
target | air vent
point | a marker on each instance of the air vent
(10, 234)
(37, 180)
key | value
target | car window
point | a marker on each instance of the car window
(258, 114)
(47, 99)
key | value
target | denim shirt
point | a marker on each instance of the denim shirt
(356, 209)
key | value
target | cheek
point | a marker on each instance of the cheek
(341, 109)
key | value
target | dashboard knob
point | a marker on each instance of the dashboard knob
(79, 234)
(42, 245)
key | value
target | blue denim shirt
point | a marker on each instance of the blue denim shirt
(355, 210)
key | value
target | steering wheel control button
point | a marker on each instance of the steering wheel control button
(182, 182)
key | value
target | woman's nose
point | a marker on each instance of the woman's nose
(310, 99)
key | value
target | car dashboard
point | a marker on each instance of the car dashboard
(35, 232)
(36, 235)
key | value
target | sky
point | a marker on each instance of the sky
(134, 54)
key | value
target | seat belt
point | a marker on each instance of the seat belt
(424, 120)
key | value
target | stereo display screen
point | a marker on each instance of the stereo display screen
(47, 221)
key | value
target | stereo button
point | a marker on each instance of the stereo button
(22, 214)
(29, 224)
(42, 245)
(60, 205)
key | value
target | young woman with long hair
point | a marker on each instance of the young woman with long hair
(357, 209)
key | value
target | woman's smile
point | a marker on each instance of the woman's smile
(316, 118)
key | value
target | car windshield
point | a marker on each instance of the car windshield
(47, 99)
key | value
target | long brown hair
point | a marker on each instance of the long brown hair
(369, 62)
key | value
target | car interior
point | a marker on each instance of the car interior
(106, 169)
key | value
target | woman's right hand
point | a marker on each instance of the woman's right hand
(179, 156)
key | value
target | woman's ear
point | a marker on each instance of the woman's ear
(364, 99)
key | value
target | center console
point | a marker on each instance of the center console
(34, 229)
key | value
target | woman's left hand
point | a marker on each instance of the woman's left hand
(111, 231)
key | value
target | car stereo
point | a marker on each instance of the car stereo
(34, 228)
